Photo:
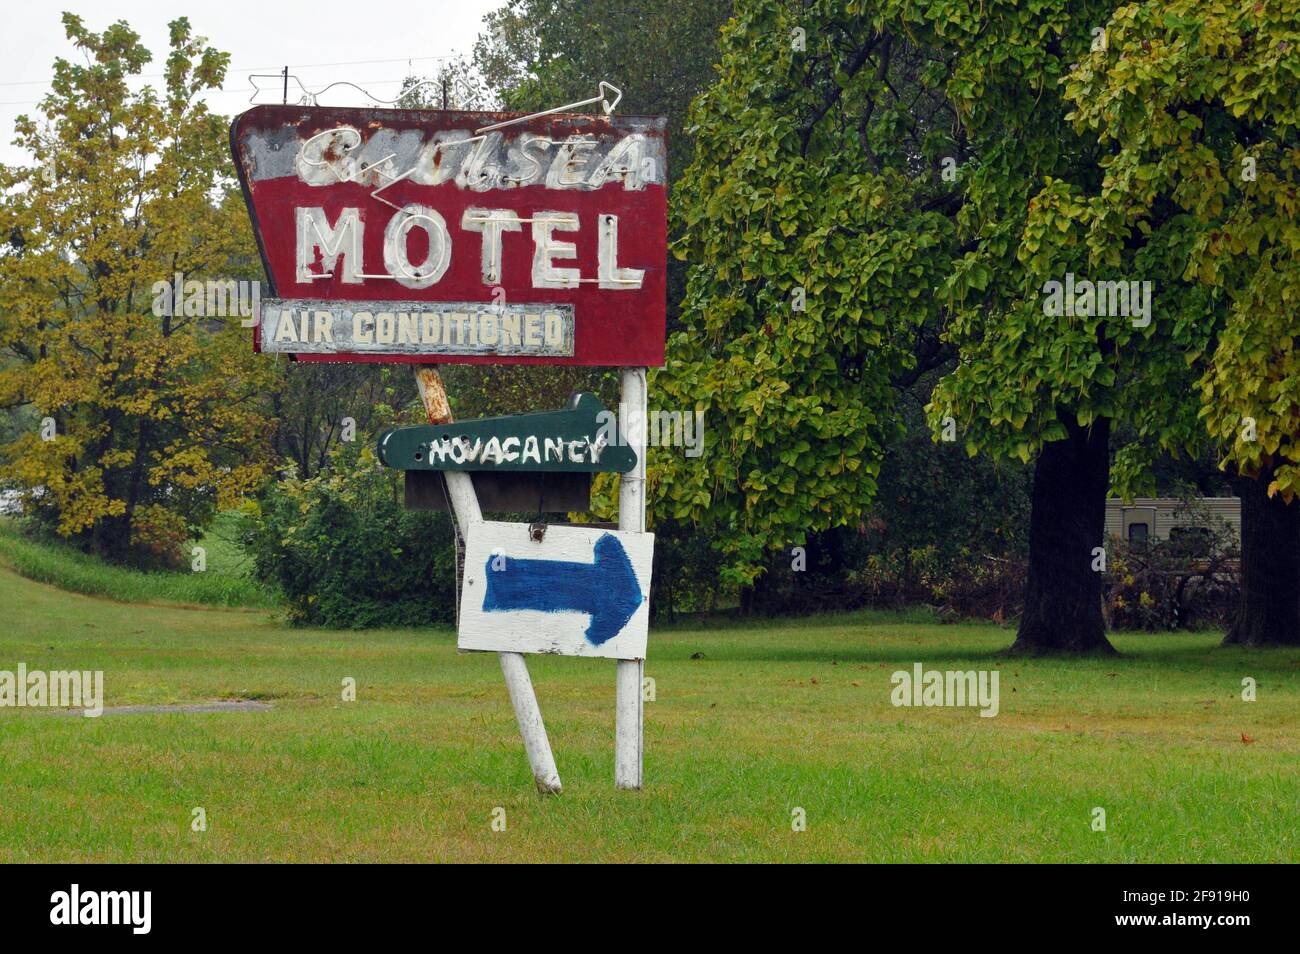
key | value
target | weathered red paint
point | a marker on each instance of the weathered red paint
(615, 327)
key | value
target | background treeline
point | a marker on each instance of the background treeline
(867, 199)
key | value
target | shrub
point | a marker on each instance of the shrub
(347, 553)
(1154, 586)
(1191, 580)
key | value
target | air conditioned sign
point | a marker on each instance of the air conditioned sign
(395, 235)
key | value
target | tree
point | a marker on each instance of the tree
(1194, 103)
(318, 406)
(1043, 371)
(156, 424)
(455, 84)
(860, 184)
(541, 53)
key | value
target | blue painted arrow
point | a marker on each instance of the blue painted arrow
(606, 589)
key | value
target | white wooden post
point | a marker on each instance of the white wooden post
(529, 716)
(464, 501)
(628, 705)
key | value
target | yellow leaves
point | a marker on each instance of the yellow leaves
(117, 458)
(83, 501)
(74, 308)
(1286, 480)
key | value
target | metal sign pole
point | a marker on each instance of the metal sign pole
(628, 703)
(460, 488)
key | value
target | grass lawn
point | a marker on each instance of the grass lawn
(772, 717)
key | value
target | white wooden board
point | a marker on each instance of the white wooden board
(579, 592)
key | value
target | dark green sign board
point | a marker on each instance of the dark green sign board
(580, 438)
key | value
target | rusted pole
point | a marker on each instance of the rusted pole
(460, 488)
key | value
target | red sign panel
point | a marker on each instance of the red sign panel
(399, 235)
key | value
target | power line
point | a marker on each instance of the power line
(250, 69)
(246, 91)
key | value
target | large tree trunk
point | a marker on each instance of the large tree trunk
(1063, 593)
(1269, 612)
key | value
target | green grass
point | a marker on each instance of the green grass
(771, 718)
(227, 579)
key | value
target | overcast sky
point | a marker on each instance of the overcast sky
(321, 41)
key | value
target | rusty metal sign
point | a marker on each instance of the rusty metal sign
(421, 235)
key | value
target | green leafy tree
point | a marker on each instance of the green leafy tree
(319, 406)
(536, 54)
(1040, 376)
(828, 247)
(156, 422)
(1195, 105)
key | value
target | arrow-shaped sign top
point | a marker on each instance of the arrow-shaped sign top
(606, 589)
(581, 437)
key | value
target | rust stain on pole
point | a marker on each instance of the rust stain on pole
(433, 393)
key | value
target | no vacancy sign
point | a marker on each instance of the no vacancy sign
(418, 236)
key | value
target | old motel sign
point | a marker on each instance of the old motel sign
(418, 236)
(433, 236)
